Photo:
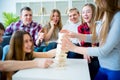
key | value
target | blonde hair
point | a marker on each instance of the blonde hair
(93, 8)
(73, 9)
(110, 7)
(60, 21)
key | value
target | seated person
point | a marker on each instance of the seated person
(25, 23)
(21, 49)
(2, 29)
(72, 25)
(51, 30)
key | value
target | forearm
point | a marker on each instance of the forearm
(49, 54)
(80, 50)
(49, 34)
(84, 37)
(10, 65)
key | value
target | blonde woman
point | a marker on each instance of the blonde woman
(51, 30)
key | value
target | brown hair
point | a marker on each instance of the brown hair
(60, 21)
(25, 8)
(2, 26)
(16, 51)
(16, 47)
(110, 7)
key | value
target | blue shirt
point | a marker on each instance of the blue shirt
(109, 53)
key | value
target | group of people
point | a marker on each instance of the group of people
(91, 38)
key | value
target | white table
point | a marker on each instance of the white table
(75, 69)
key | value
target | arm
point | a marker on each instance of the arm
(11, 65)
(49, 33)
(83, 37)
(40, 38)
(9, 29)
(49, 54)
(112, 41)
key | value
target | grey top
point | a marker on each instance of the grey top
(109, 53)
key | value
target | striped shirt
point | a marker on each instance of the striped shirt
(33, 28)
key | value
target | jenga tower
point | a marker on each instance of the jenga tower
(61, 56)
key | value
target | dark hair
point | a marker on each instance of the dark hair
(2, 26)
(25, 8)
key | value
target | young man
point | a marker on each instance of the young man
(72, 25)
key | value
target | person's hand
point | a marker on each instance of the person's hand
(44, 63)
(87, 57)
(52, 23)
(40, 37)
(66, 44)
(64, 31)
(69, 33)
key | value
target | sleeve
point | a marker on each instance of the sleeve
(9, 29)
(80, 29)
(112, 40)
(38, 28)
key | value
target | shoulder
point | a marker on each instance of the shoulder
(116, 18)
(117, 15)
(15, 24)
(35, 24)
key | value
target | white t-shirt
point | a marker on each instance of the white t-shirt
(74, 28)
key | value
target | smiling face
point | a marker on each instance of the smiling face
(74, 16)
(55, 18)
(26, 17)
(87, 14)
(27, 41)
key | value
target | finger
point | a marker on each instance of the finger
(40, 30)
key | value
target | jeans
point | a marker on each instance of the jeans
(106, 74)
(6, 40)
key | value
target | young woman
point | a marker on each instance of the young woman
(87, 18)
(21, 49)
(106, 32)
(51, 30)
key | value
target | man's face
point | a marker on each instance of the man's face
(26, 17)
(74, 16)
(1, 35)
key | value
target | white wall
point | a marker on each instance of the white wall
(7, 6)
(10, 6)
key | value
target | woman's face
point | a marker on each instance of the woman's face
(55, 18)
(87, 14)
(27, 43)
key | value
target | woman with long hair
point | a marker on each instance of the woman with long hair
(21, 49)
(106, 31)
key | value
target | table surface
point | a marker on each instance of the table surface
(75, 69)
